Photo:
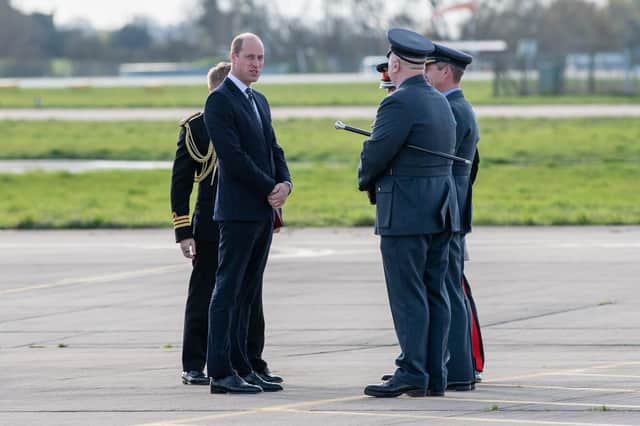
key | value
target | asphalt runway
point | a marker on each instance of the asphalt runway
(91, 323)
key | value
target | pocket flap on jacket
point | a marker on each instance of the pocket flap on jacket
(382, 187)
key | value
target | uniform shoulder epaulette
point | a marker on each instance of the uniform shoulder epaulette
(208, 159)
(189, 118)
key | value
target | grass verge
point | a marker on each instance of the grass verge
(503, 141)
(326, 195)
(478, 92)
(533, 172)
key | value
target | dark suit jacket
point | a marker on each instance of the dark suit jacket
(184, 168)
(467, 137)
(250, 161)
(415, 191)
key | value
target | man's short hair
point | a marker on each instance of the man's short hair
(218, 73)
(236, 43)
(456, 71)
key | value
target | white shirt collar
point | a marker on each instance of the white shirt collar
(240, 85)
(448, 92)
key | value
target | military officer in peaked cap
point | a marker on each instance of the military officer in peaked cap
(444, 69)
(416, 213)
(385, 80)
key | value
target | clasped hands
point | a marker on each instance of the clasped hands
(279, 195)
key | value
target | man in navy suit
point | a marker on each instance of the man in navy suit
(253, 180)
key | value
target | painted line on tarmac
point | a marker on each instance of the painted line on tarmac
(623, 376)
(550, 387)
(563, 372)
(267, 409)
(616, 365)
(202, 418)
(451, 418)
(592, 405)
(98, 279)
(296, 409)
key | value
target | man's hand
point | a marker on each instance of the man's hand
(188, 248)
(279, 195)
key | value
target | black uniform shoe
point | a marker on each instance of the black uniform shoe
(194, 377)
(430, 392)
(392, 388)
(268, 377)
(253, 379)
(232, 384)
(461, 387)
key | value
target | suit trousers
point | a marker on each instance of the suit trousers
(415, 268)
(196, 316)
(243, 252)
(460, 366)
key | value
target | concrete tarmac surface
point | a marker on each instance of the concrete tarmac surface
(91, 326)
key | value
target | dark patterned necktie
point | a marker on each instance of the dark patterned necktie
(252, 101)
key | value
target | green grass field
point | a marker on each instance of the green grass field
(326, 196)
(533, 172)
(503, 141)
(478, 92)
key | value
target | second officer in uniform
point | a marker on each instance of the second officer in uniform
(444, 69)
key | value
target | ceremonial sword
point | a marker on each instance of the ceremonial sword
(341, 126)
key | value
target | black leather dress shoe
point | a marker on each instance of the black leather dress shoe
(430, 392)
(268, 377)
(254, 379)
(194, 377)
(232, 384)
(461, 387)
(392, 388)
(434, 392)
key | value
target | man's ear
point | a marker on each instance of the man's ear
(448, 70)
(395, 64)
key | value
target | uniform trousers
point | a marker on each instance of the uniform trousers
(460, 364)
(415, 268)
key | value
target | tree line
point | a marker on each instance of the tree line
(335, 41)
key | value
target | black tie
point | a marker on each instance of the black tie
(252, 101)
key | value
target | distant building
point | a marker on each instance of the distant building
(609, 61)
(368, 64)
(158, 69)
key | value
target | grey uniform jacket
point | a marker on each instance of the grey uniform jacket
(467, 137)
(415, 191)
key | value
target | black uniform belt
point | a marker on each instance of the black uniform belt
(419, 171)
(461, 169)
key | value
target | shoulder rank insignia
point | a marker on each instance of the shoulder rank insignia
(207, 160)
